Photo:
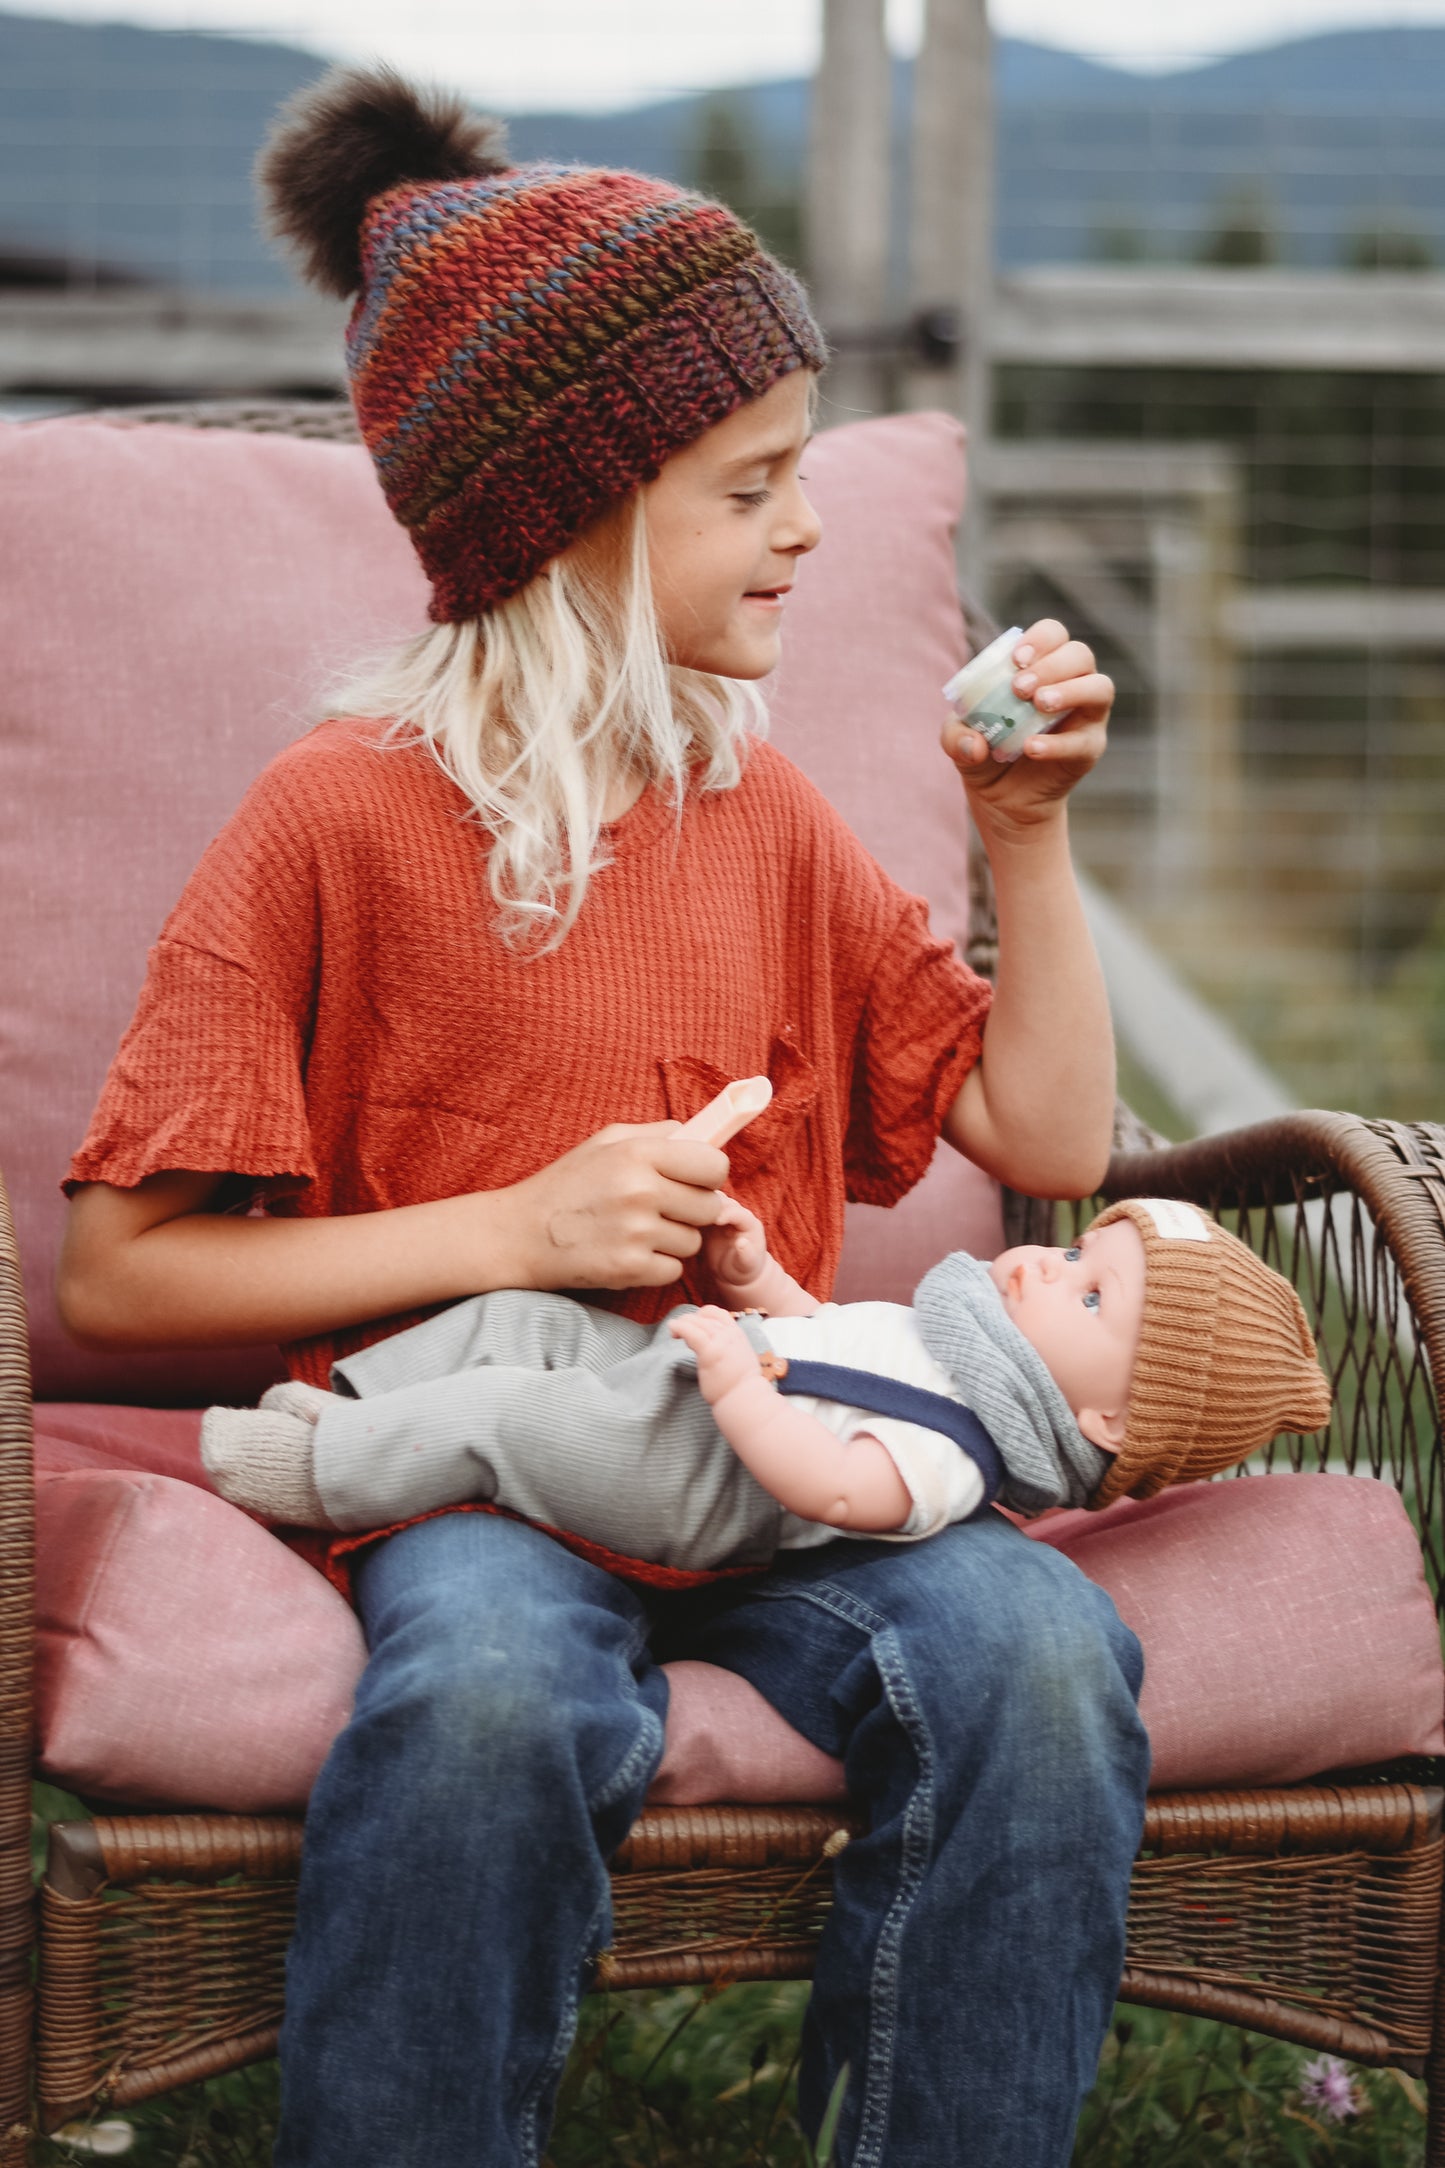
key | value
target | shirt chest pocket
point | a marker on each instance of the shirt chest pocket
(778, 1162)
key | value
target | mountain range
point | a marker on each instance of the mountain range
(126, 152)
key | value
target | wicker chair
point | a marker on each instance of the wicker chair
(1313, 1913)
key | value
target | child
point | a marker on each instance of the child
(1064, 1354)
(437, 996)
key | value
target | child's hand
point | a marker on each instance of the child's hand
(735, 1246)
(624, 1209)
(725, 1355)
(1056, 673)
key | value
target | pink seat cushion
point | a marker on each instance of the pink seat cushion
(73, 1436)
(184, 1657)
(188, 1658)
(1286, 1623)
(1286, 1626)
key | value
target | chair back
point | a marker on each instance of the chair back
(173, 602)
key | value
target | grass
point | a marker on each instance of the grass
(1176, 2092)
(688, 2078)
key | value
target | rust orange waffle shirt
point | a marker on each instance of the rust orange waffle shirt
(328, 1010)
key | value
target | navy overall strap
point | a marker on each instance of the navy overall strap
(908, 1403)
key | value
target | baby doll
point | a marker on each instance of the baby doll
(1156, 1350)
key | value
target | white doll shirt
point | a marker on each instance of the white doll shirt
(942, 1480)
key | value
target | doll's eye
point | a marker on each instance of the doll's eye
(1091, 1300)
(1071, 1257)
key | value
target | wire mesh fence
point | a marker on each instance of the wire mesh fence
(1276, 621)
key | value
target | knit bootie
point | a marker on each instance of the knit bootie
(261, 1458)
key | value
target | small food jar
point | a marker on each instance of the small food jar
(982, 696)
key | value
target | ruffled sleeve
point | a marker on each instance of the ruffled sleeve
(920, 1034)
(210, 1076)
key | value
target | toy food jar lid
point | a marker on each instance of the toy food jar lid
(982, 670)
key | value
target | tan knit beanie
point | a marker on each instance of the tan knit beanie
(1225, 1359)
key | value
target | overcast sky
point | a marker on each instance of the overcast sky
(613, 52)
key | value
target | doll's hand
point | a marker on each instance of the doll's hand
(748, 1276)
(735, 1247)
(625, 1208)
(1057, 673)
(725, 1356)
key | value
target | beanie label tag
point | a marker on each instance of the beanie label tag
(1174, 1221)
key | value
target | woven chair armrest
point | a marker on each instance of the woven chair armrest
(1311, 1149)
(17, 1660)
(1373, 1192)
(1396, 1169)
(17, 1514)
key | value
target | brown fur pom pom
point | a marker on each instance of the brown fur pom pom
(342, 142)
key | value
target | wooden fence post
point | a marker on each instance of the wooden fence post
(847, 200)
(951, 254)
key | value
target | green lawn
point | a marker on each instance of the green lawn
(685, 2079)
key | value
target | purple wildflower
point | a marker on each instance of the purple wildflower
(1327, 2086)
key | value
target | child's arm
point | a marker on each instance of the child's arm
(1037, 1109)
(850, 1483)
(154, 1266)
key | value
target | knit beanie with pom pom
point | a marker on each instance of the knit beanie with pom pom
(529, 343)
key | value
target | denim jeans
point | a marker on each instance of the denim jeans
(454, 1887)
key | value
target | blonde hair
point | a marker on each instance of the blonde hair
(540, 707)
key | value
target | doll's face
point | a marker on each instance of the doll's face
(727, 522)
(1082, 1308)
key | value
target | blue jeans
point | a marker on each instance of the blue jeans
(454, 1887)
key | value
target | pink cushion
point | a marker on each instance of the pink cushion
(188, 1658)
(723, 1741)
(73, 1436)
(873, 629)
(184, 1657)
(873, 632)
(1286, 1626)
(171, 603)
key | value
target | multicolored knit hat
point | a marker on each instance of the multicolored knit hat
(1225, 1359)
(529, 343)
